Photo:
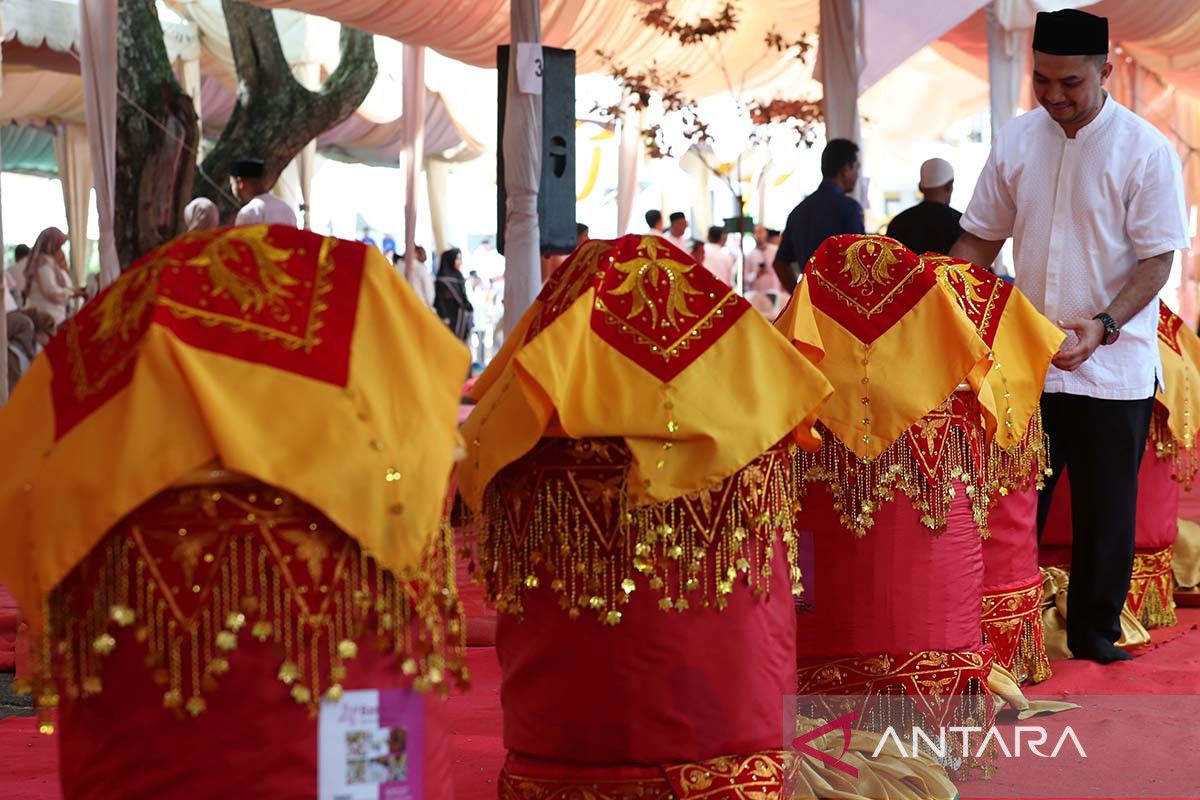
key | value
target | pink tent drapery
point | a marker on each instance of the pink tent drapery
(98, 66)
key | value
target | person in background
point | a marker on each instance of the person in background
(259, 206)
(419, 276)
(695, 249)
(828, 211)
(201, 214)
(28, 332)
(756, 259)
(581, 233)
(716, 259)
(1092, 196)
(48, 283)
(679, 227)
(654, 222)
(450, 295)
(931, 226)
(14, 279)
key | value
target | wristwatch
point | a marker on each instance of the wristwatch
(1112, 331)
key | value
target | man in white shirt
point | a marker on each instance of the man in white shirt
(716, 258)
(418, 274)
(1093, 197)
(248, 179)
(676, 233)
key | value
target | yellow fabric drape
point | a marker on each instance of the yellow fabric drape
(631, 338)
(1022, 342)
(1179, 348)
(370, 445)
(923, 348)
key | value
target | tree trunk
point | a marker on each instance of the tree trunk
(157, 136)
(275, 116)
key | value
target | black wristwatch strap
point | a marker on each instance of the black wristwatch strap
(1111, 329)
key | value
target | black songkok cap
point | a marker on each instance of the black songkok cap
(248, 168)
(1070, 33)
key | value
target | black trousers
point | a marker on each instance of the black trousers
(1101, 442)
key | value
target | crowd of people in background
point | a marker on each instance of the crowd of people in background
(467, 293)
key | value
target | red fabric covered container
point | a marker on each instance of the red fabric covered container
(253, 740)
(899, 588)
(1012, 590)
(659, 687)
(195, 644)
(1157, 507)
(639, 637)
(1010, 552)
(1151, 588)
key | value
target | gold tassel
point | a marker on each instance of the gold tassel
(415, 614)
(584, 537)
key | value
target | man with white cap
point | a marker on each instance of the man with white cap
(931, 226)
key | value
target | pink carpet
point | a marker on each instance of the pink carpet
(1171, 666)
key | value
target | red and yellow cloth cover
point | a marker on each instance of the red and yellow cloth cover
(1021, 343)
(301, 361)
(1174, 427)
(636, 426)
(633, 339)
(897, 335)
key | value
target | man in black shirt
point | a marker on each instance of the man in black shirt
(828, 211)
(931, 226)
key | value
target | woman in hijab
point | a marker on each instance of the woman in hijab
(201, 214)
(48, 284)
(450, 295)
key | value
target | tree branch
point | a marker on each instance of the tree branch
(275, 117)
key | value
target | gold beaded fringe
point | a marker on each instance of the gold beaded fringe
(686, 557)
(416, 615)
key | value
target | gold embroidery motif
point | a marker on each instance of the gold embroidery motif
(651, 269)
(684, 342)
(878, 272)
(888, 297)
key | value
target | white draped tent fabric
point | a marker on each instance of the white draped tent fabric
(412, 153)
(98, 67)
(629, 158)
(73, 152)
(839, 65)
(522, 172)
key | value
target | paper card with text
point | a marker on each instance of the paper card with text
(371, 746)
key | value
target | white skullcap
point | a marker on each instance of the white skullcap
(936, 172)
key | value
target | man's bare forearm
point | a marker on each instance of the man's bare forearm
(982, 252)
(1142, 287)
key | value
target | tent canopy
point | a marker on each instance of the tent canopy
(42, 82)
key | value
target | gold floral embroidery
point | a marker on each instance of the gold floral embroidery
(650, 269)
(878, 272)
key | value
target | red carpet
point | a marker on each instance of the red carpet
(10, 617)
(1171, 666)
